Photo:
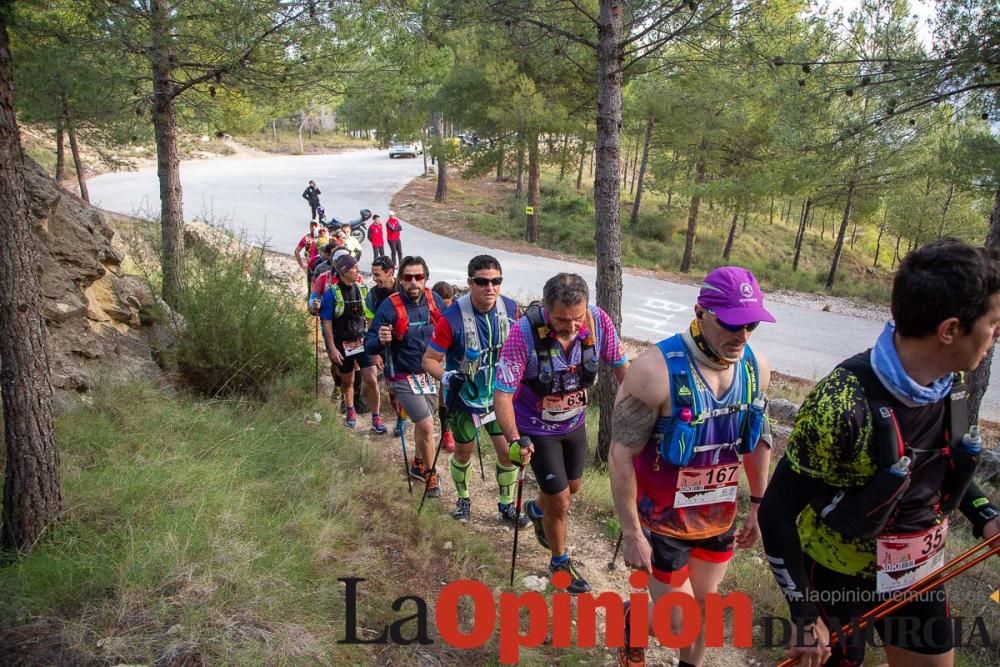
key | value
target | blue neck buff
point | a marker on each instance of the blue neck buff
(889, 369)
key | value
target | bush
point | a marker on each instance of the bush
(241, 332)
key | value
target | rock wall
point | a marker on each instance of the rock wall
(100, 321)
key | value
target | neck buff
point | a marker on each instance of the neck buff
(701, 350)
(889, 369)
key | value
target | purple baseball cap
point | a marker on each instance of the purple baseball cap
(732, 293)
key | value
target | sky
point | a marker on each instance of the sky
(922, 9)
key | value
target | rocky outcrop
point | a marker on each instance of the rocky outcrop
(104, 326)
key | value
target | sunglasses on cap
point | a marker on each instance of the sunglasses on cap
(734, 327)
(483, 282)
(412, 277)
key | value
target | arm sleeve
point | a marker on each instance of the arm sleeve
(787, 495)
(513, 358)
(978, 509)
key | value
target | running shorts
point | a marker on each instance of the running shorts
(559, 459)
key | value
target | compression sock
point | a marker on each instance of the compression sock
(506, 478)
(460, 475)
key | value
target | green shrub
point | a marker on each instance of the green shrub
(241, 333)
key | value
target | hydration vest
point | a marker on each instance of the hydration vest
(343, 325)
(402, 324)
(471, 332)
(683, 434)
(545, 349)
(867, 510)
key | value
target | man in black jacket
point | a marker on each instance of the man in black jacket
(311, 195)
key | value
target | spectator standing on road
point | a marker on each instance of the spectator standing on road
(376, 234)
(311, 195)
(393, 227)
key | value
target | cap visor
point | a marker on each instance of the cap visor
(741, 316)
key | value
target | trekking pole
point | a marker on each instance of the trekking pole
(402, 431)
(618, 546)
(427, 481)
(517, 520)
(935, 578)
(482, 471)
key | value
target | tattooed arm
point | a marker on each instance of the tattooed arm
(644, 394)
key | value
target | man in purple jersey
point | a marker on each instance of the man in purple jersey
(548, 362)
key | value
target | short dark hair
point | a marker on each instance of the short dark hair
(480, 262)
(444, 290)
(383, 262)
(943, 279)
(567, 289)
(410, 260)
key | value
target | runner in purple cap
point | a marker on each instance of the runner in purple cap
(689, 415)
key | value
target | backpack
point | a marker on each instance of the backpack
(544, 349)
(682, 437)
(402, 324)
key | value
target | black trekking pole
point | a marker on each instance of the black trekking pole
(618, 546)
(402, 431)
(517, 520)
(482, 471)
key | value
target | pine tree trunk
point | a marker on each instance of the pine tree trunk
(167, 159)
(81, 176)
(746, 216)
(32, 498)
(801, 234)
(979, 379)
(423, 143)
(635, 166)
(838, 247)
(583, 158)
(692, 227)
(673, 178)
(642, 173)
(607, 195)
(732, 235)
(564, 158)
(519, 192)
(770, 217)
(531, 228)
(60, 152)
(944, 211)
(878, 241)
(500, 166)
(441, 194)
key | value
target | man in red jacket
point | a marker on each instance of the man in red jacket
(393, 227)
(377, 237)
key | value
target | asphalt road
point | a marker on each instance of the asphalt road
(263, 197)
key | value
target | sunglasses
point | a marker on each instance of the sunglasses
(413, 277)
(483, 282)
(735, 327)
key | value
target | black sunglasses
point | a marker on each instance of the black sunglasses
(483, 282)
(734, 327)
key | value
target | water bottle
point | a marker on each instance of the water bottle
(901, 468)
(972, 442)
(471, 361)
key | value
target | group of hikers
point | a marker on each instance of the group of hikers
(856, 510)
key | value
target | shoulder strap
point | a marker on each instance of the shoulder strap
(889, 442)
(542, 345)
(958, 410)
(470, 331)
(682, 390)
(432, 308)
(402, 323)
(503, 320)
(589, 357)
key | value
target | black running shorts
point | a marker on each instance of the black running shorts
(558, 459)
(671, 554)
(923, 626)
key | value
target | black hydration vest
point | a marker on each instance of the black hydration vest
(939, 475)
(545, 350)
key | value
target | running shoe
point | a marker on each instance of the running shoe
(418, 470)
(535, 516)
(433, 488)
(630, 656)
(577, 583)
(463, 510)
(351, 420)
(508, 514)
(378, 425)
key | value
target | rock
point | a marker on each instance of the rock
(448, 546)
(60, 311)
(533, 583)
(782, 410)
(827, 308)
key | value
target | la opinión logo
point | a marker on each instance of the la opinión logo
(502, 616)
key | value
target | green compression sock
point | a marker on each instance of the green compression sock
(460, 475)
(506, 478)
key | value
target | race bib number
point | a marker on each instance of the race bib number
(422, 383)
(483, 420)
(353, 347)
(560, 407)
(904, 560)
(707, 485)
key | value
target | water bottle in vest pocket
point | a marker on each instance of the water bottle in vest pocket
(679, 438)
(756, 414)
(864, 511)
